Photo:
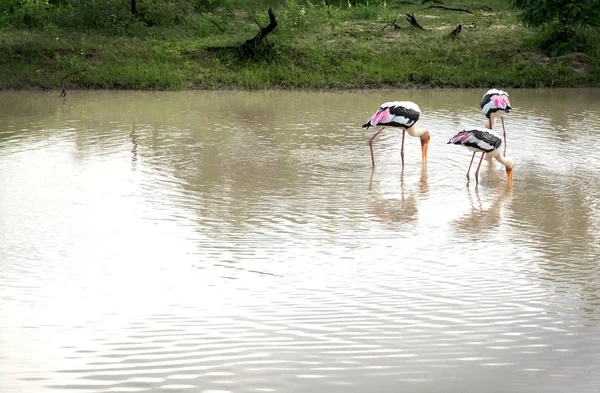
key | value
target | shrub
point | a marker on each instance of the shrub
(567, 12)
(164, 12)
(100, 13)
(563, 24)
(27, 13)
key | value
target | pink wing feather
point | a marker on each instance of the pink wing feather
(381, 116)
(501, 101)
(461, 137)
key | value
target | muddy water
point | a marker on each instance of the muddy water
(239, 242)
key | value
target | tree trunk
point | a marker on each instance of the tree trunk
(134, 7)
(249, 47)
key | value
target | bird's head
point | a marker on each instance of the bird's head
(509, 164)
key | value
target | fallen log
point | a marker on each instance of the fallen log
(443, 7)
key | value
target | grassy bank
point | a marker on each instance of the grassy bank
(315, 47)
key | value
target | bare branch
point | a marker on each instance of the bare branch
(393, 24)
(64, 90)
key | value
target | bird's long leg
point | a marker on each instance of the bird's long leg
(477, 171)
(402, 184)
(371, 178)
(487, 156)
(469, 170)
(504, 131)
(402, 148)
(477, 198)
(371, 145)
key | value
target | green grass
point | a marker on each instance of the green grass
(315, 47)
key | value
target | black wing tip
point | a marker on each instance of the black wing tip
(366, 125)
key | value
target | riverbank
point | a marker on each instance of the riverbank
(314, 47)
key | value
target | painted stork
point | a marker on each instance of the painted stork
(483, 140)
(399, 114)
(494, 104)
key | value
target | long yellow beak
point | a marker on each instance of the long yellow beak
(509, 174)
(424, 147)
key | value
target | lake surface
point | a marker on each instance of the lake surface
(239, 242)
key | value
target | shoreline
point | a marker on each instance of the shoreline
(314, 49)
(284, 90)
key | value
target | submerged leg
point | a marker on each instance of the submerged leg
(371, 145)
(371, 179)
(477, 171)
(402, 148)
(469, 170)
(504, 131)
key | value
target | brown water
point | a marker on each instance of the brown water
(238, 242)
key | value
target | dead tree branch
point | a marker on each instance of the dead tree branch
(64, 90)
(249, 47)
(411, 19)
(455, 32)
(443, 7)
(393, 24)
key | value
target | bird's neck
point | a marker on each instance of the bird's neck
(423, 134)
(501, 159)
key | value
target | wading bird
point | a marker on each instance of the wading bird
(484, 141)
(399, 114)
(494, 104)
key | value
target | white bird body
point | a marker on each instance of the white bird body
(480, 140)
(403, 114)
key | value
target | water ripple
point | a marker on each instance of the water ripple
(144, 249)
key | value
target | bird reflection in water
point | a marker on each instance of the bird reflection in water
(480, 220)
(403, 209)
